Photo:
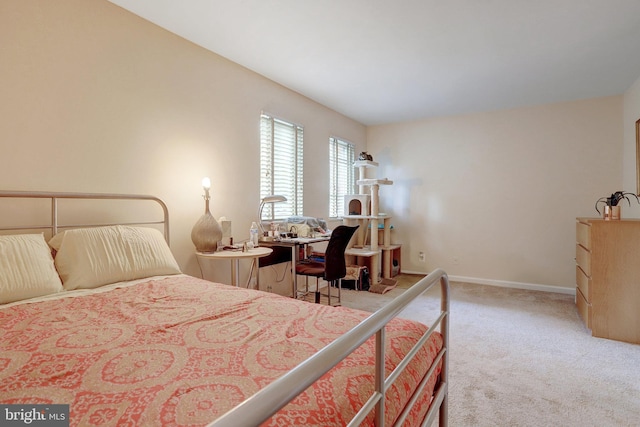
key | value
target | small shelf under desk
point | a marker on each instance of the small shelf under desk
(288, 250)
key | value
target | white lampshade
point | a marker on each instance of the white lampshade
(274, 198)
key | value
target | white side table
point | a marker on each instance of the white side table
(235, 257)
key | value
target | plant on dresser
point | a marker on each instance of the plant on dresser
(612, 204)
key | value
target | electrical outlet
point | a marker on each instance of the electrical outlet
(421, 256)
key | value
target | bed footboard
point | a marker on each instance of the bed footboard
(262, 405)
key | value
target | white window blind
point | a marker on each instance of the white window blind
(341, 174)
(281, 149)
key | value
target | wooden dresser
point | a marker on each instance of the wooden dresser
(608, 277)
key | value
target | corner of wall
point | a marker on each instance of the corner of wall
(631, 113)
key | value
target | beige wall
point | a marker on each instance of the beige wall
(93, 98)
(494, 196)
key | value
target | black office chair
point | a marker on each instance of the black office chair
(334, 267)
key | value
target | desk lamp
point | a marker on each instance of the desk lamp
(274, 198)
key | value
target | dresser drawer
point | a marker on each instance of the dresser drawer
(584, 308)
(584, 283)
(583, 259)
(583, 234)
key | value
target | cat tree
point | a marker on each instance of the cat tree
(363, 209)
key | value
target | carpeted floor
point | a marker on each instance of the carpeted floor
(402, 281)
(523, 358)
(406, 280)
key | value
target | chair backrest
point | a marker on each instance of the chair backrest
(335, 266)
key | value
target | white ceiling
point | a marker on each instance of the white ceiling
(383, 61)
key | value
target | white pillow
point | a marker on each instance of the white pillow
(26, 268)
(90, 257)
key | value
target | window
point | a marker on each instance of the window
(280, 166)
(341, 174)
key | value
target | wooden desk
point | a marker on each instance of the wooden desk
(235, 257)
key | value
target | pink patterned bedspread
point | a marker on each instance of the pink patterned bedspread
(182, 351)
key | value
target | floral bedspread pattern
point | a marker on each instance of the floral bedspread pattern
(181, 351)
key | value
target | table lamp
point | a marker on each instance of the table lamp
(206, 233)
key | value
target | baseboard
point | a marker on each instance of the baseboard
(507, 284)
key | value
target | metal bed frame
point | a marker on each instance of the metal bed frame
(53, 225)
(266, 402)
(259, 407)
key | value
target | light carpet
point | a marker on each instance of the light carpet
(523, 358)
